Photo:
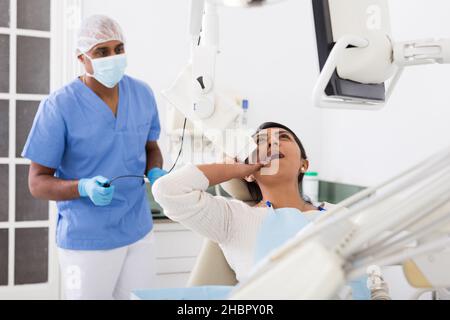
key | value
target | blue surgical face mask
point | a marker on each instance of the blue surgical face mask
(110, 70)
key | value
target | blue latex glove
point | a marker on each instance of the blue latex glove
(155, 173)
(93, 188)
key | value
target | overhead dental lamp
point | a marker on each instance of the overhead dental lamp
(384, 225)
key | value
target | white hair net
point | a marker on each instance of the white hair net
(97, 29)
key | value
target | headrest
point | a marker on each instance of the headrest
(237, 188)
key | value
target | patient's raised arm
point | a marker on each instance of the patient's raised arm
(219, 173)
(182, 194)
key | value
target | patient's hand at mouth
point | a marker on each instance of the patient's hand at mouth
(219, 173)
(276, 156)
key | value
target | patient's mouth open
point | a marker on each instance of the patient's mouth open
(266, 160)
(276, 156)
(273, 157)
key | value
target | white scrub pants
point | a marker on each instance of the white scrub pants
(108, 274)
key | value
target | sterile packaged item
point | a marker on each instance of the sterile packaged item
(311, 186)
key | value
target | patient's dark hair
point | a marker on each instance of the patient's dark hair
(253, 187)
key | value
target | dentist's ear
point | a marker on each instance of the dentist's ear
(81, 58)
(86, 63)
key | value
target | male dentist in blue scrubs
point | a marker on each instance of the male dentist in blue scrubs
(102, 125)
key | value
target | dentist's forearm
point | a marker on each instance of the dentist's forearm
(53, 189)
(154, 156)
(44, 185)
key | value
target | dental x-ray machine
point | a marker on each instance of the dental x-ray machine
(380, 226)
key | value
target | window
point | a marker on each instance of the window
(26, 225)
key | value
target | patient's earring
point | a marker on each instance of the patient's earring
(251, 179)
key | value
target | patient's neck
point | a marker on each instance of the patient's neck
(284, 195)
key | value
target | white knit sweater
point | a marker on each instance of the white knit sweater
(232, 224)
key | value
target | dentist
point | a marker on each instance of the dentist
(102, 125)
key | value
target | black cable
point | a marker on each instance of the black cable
(181, 148)
(108, 184)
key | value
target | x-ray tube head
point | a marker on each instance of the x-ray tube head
(361, 71)
(219, 126)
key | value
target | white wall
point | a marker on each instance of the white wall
(368, 147)
(269, 56)
(265, 56)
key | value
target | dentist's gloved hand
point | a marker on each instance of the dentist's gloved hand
(155, 173)
(93, 188)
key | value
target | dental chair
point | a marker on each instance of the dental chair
(211, 267)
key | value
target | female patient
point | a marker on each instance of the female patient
(233, 224)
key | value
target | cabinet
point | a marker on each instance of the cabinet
(177, 249)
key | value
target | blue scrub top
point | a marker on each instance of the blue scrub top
(77, 134)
